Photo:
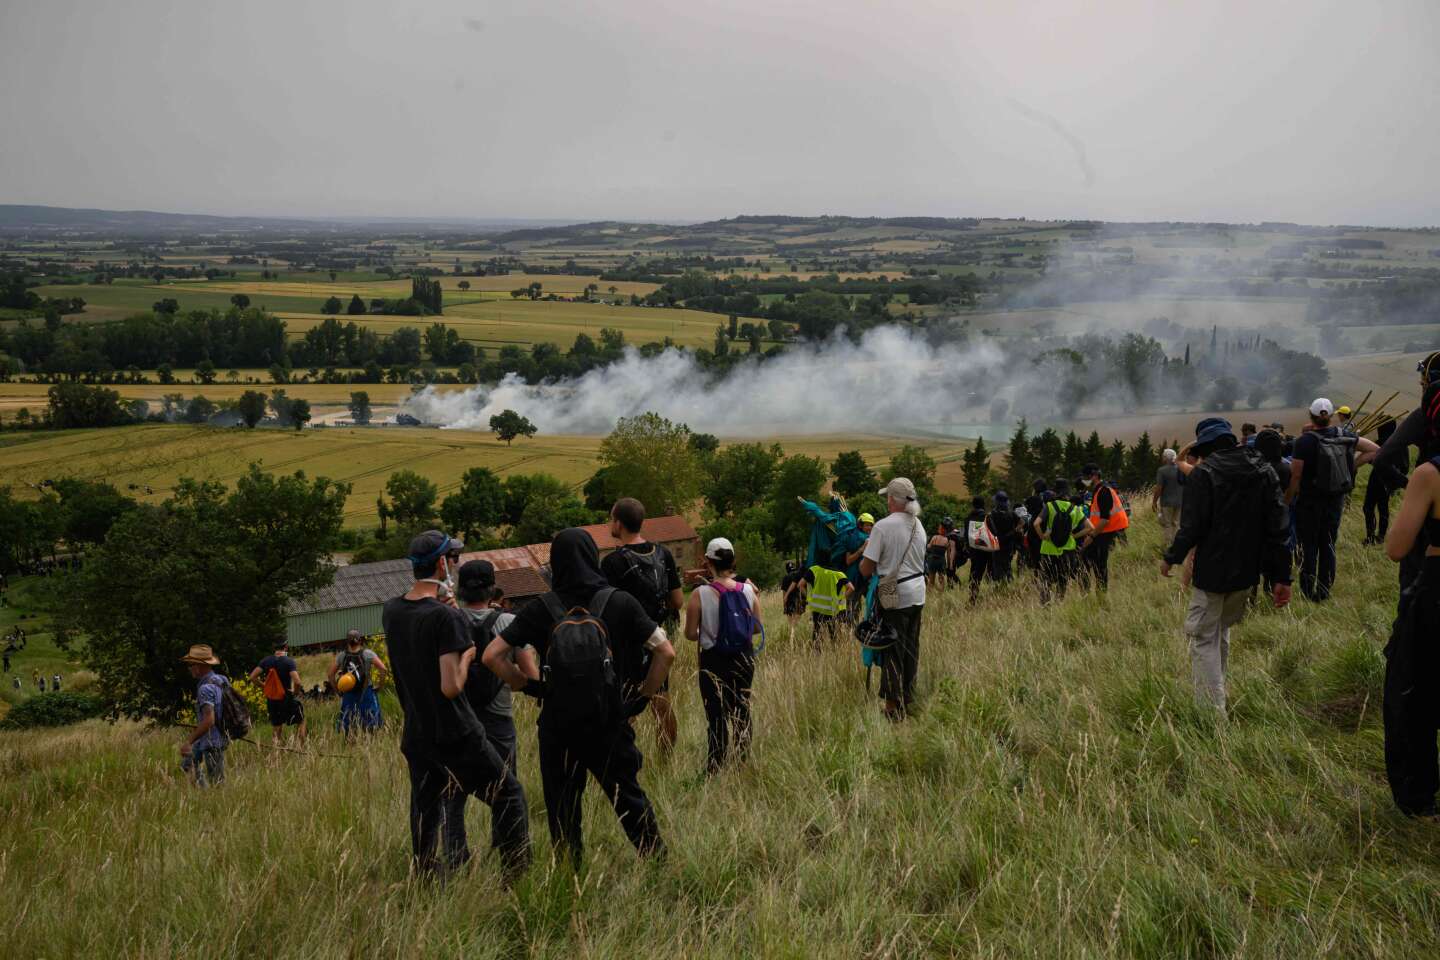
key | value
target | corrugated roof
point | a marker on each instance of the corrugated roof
(359, 585)
(521, 582)
(507, 558)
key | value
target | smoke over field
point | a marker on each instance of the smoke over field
(890, 379)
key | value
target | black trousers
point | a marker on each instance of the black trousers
(1377, 507)
(1317, 521)
(1055, 573)
(611, 757)
(500, 731)
(725, 683)
(469, 766)
(902, 661)
(1411, 709)
(979, 566)
(1097, 559)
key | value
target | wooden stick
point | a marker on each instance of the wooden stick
(1361, 405)
(1373, 418)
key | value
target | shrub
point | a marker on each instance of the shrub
(53, 710)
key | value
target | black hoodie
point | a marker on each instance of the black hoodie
(1234, 516)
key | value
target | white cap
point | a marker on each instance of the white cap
(716, 545)
(1322, 407)
(898, 489)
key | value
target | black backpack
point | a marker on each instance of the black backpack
(355, 663)
(481, 683)
(1333, 473)
(646, 575)
(235, 723)
(1062, 525)
(582, 685)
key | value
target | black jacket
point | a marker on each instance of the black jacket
(1234, 516)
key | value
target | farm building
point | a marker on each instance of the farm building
(673, 532)
(354, 600)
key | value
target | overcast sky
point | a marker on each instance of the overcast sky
(1316, 111)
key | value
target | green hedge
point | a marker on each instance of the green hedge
(53, 710)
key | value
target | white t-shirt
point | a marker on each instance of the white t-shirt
(897, 545)
(710, 612)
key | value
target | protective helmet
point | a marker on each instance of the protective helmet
(346, 682)
(864, 518)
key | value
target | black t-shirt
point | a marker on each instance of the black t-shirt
(1307, 448)
(633, 575)
(418, 633)
(625, 621)
(281, 665)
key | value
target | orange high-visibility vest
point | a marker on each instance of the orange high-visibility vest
(1118, 521)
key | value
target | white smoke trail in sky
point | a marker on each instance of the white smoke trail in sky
(890, 380)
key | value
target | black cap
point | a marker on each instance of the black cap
(475, 580)
(431, 545)
(1090, 470)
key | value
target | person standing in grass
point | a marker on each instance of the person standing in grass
(1061, 520)
(360, 705)
(722, 617)
(592, 640)
(203, 752)
(1412, 663)
(1108, 520)
(896, 554)
(1234, 518)
(490, 698)
(1322, 474)
(1168, 496)
(444, 743)
(281, 684)
(648, 572)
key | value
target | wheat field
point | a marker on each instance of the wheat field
(1060, 793)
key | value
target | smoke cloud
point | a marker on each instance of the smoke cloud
(890, 379)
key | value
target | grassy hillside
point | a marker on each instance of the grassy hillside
(1060, 794)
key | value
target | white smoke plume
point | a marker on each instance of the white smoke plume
(891, 381)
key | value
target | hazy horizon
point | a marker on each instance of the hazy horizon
(1232, 111)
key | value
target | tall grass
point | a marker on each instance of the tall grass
(1059, 794)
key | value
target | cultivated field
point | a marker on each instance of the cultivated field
(1059, 794)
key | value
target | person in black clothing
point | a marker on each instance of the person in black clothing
(286, 710)
(1318, 512)
(792, 593)
(1035, 506)
(1005, 526)
(605, 746)
(1414, 431)
(479, 600)
(1234, 518)
(979, 559)
(443, 741)
(1385, 479)
(1412, 660)
(647, 572)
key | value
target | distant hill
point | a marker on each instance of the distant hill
(34, 220)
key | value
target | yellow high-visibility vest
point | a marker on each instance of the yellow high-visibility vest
(825, 591)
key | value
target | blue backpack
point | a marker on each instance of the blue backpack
(736, 633)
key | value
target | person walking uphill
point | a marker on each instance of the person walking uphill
(358, 668)
(896, 554)
(1057, 526)
(1322, 474)
(648, 572)
(722, 617)
(203, 752)
(592, 641)
(443, 742)
(1108, 520)
(1412, 660)
(1235, 519)
(1168, 497)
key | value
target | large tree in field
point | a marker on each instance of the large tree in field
(975, 465)
(651, 459)
(507, 425)
(917, 466)
(360, 406)
(206, 566)
(740, 476)
(251, 407)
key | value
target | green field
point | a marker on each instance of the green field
(1059, 794)
(157, 455)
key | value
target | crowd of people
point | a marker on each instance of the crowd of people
(596, 651)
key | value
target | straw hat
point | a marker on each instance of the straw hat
(201, 653)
